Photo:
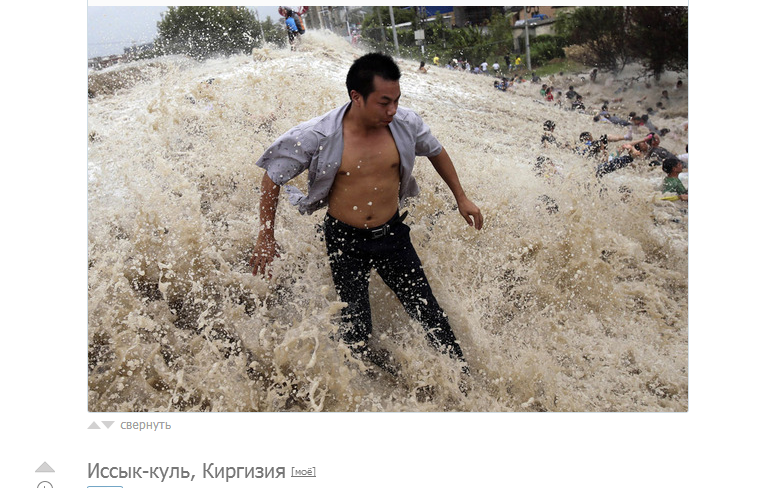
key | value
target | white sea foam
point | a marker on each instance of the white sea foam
(582, 309)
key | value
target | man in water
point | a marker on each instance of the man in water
(360, 159)
(672, 184)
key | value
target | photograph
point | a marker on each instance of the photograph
(388, 209)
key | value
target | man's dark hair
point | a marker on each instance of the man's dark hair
(669, 164)
(361, 73)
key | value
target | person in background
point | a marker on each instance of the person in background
(292, 29)
(672, 184)
(549, 134)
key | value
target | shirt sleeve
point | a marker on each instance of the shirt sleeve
(426, 143)
(289, 156)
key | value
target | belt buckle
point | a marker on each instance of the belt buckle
(380, 232)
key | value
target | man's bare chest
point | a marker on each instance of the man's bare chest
(370, 155)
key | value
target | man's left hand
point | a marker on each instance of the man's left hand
(471, 213)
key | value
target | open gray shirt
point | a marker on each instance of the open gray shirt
(317, 146)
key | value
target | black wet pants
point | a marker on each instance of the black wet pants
(354, 252)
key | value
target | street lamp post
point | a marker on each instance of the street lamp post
(394, 31)
(260, 27)
(527, 42)
(346, 18)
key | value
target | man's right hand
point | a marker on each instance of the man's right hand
(264, 253)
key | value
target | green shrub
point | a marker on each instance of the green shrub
(545, 48)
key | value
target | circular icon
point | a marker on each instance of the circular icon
(45, 484)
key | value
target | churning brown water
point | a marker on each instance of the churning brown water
(582, 308)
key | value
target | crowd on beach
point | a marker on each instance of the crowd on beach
(628, 140)
(461, 64)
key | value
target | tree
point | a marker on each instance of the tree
(202, 32)
(376, 27)
(469, 43)
(436, 33)
(602, 31)
(501, 35)
(659, 38)
(545, 47)
(274, 32)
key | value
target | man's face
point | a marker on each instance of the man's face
(381, 105)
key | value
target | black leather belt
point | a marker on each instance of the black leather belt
(376, 232)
